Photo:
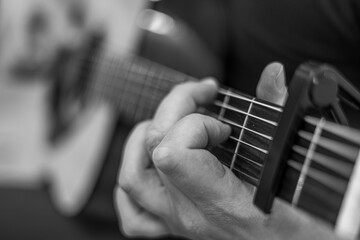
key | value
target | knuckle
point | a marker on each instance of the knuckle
(128, 183)
(193, 123)
(163, 159)
(153, 138)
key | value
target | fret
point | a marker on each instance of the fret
(329, 173)
(249, 145)
(249, 100)
(321, 177)
(239, 128)
(251, 134)
(249, 171)
(240, 136)
(270, 114)
(124, 79)
(307, 162)
(342, 151)
(337, 167)
(136, 86)
(222, 106)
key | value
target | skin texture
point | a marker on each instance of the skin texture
(170, 184)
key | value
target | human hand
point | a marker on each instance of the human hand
(140, 192)
(191, 194)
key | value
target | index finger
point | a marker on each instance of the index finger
(183, 100)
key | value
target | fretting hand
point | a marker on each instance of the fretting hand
(188, 192)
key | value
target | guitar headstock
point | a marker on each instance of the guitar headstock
(304, 158)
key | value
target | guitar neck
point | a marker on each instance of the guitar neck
(132, 85)
(136, 86)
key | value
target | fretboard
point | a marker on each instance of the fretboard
(136, 86)
(132, 85)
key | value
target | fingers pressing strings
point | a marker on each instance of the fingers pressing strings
(182, 101)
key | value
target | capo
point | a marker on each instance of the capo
(315, 88)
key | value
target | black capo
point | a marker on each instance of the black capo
(316, 87)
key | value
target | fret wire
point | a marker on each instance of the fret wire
(332, 146)
(222, 110)
(140, 61)
(245, 128)
(241, 134)
(124, 87)
(318, 176)
(253, 100)
(152, 69)
(340, 131)
(113, 79)
(167, 80)
(135, 71)
(231, 108)
(138, 99)
(256, 181)
(324, 161)
(307, 162)
(221, 91)
(242, 156)
(137, 93)
(250, 145)
(155, 83)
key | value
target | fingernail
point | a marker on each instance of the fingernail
(210, 81)
(280, 79)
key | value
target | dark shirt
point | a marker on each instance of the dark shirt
(246, 35)
(291, 32)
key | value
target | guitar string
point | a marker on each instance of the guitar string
(222, 91)
(330, 151)
(327, 162)
(223, 119)
(229, 107)
(232, 109)
(332, 184)
(227, 93)
(322, 177)
(129, 70)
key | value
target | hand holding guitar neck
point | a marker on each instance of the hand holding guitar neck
(188, 192)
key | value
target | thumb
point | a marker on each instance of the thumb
(181, 156)
(272, 84)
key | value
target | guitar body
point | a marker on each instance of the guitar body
(87, 158)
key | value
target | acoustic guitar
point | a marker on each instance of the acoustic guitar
(321, 167)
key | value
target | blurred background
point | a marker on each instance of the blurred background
(59, 146)
(58, 156)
